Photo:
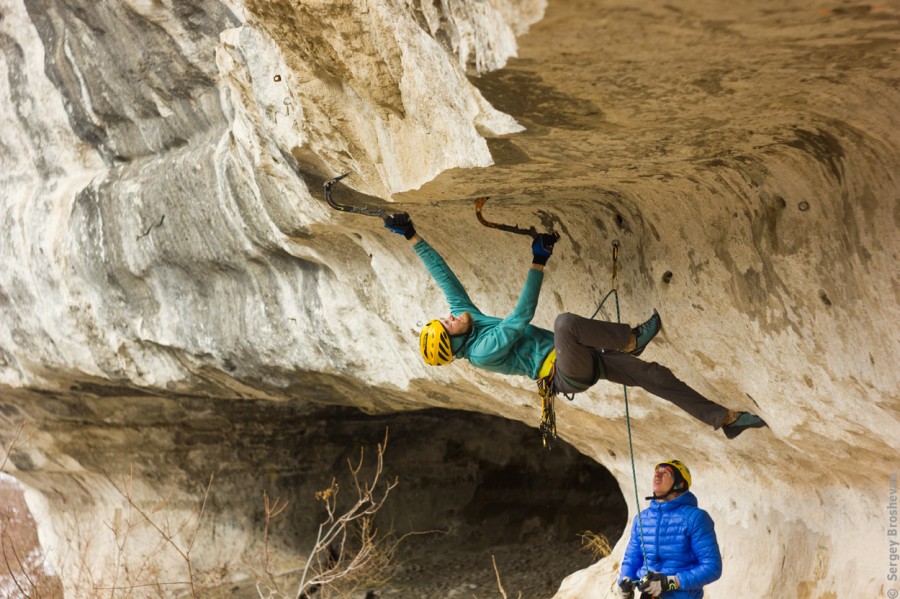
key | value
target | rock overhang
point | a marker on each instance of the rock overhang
(744, 163)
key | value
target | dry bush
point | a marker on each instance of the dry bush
(349, 552)
(172, 539)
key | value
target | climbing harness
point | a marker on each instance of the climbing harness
(365, 210)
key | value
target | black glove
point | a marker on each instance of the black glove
(401, 224)
(542, 247)
(654, 583)
(626, 589)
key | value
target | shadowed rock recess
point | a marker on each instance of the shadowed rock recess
(178, 302)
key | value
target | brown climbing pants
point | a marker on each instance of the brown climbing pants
(580, 341)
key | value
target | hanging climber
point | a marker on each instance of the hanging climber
(572, 358)
(673, 551)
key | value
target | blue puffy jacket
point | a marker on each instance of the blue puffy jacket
(508, 345)
(679, 539)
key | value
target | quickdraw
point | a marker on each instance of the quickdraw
(548, 416)
(365, 210)
(615, 271)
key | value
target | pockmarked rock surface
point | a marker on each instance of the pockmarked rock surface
(177, 300)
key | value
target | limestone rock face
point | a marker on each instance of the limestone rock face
(173, 287)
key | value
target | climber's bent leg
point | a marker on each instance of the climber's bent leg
(576, 339)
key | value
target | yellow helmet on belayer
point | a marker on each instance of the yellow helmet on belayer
(681, 472)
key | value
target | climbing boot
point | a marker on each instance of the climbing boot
(744, 421)
(645, 332)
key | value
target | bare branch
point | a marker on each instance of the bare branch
(13, 572)
(497, 572)
(144, 585)
(335, 556)
(164, 529)
(272, 511)
(200, 515)
(12, 444)
(22, 567)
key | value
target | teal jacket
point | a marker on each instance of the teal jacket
(508, 345)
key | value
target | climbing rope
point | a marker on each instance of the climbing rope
(614, 291)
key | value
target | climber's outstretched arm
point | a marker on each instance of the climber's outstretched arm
(446, 279)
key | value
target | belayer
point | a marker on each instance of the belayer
(673, 551)
(571, 358)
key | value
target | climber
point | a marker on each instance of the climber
(673, 551)
(579, 352)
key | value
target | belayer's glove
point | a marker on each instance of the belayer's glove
(542, 247)
(626, 588)
(401, 224)
(655, 584)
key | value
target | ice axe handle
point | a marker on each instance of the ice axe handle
(365, 210)
(328, 185)
(531, 231)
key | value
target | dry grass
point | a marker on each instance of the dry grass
(596, 544)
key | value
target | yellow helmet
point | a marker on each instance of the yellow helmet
(434, 343)
(681, 473)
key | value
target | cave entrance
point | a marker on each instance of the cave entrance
(485, 482)
(491, 488)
